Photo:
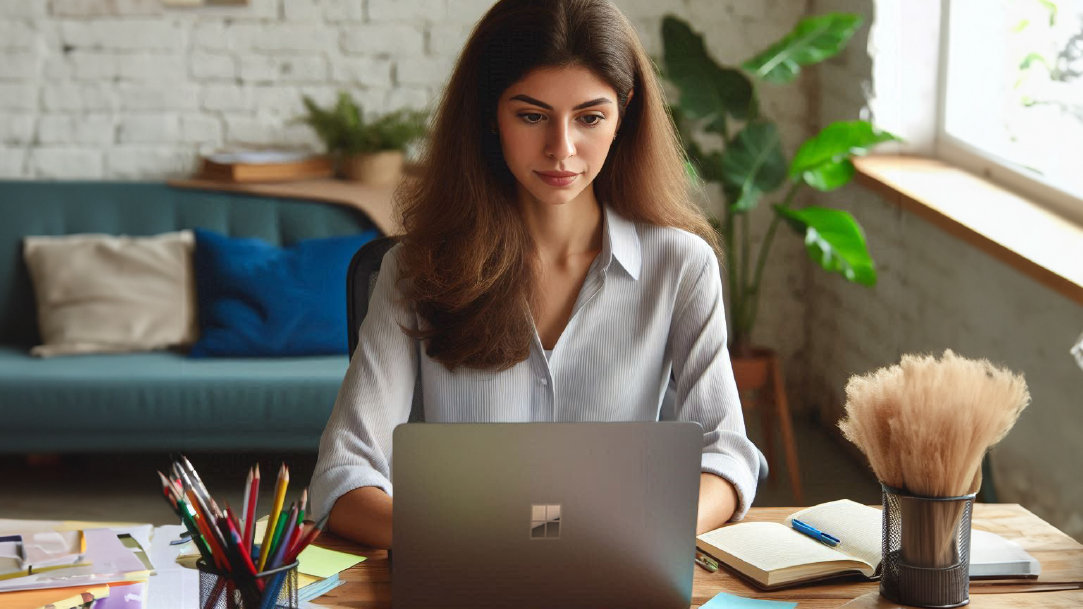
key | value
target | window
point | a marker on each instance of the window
(545, 521)
(1012, 95)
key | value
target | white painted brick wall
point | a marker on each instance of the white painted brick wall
(12, 162)
(66, 163)
(17, 129)
(221, 72)
(82, 129)
(22, 8)
(384, 40)
(18, 96)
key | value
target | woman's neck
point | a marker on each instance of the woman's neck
(564, 231)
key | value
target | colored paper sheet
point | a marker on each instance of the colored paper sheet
(730, 601)
(123, 596)
(48, 598)
(322, 562)
(172, 586)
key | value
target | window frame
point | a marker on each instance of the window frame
(982, 162)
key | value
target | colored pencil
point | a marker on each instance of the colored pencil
(280, 526)
(250, 508)
(276, 509)
(308, 538)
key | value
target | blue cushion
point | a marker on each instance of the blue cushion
(261, 300)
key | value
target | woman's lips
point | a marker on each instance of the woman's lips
(557, 178)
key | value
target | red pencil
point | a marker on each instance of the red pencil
(303, 542)
(250, 510)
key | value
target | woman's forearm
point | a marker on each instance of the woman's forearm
(363, 515)
(717, 502)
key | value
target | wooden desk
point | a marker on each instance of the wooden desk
(369, 583)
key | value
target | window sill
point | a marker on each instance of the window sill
(1015, 230)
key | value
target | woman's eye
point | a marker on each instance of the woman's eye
(531, 117)
(592, 120)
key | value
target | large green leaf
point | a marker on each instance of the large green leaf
(835, 241)
(752, 164)
(708, 91)
(811, 41)
(823, 161)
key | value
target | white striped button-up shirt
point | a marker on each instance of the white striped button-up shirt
(650, 310)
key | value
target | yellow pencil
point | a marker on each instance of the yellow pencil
(272, 520)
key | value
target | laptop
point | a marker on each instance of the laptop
(544, 515)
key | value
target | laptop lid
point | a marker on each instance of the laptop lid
(570, 515)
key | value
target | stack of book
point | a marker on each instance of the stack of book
(265, 166)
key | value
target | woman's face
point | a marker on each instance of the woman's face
(556, 127)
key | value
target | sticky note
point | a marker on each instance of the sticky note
(322, 562)
(730, 601)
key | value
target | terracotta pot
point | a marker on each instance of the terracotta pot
(377, 169)
(752, 370)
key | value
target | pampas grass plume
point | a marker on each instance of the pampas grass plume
(926, 423)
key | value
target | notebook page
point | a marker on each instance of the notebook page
(859, 527)
(770, 546)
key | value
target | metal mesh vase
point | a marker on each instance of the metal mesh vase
(926, 549)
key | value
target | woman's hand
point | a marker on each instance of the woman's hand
(717, 502)
(363, 515)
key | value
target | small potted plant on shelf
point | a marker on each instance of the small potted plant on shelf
(372, 151)
(752, 166)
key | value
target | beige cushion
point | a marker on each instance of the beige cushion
(109, 294)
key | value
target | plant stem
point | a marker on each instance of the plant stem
(743, 303)
(731, 270)
(765, 247)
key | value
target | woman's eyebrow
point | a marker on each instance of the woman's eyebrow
(541, 104)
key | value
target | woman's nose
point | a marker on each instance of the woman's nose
(558, 142)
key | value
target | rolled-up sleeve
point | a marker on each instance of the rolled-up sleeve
(706, 391)
(375, 396)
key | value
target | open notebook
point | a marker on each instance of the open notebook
(774, 555)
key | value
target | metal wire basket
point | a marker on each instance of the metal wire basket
(926, 549)
(219, 590)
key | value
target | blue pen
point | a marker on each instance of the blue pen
(815, 533)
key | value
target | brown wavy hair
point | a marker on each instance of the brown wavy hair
(467, 257)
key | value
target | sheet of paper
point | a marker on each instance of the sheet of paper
(109, 562)
(172, 586)
(322, 562)
(123, 596)
(770, 546)
(860, 527)
(731, 601)
(68, 597)
(108, 555)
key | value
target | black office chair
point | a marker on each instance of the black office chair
(360, 279)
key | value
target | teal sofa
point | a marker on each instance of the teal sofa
(154, 401)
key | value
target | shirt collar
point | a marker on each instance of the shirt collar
(620, 243)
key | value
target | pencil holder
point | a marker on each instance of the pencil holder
(926, 546)
(218, 590)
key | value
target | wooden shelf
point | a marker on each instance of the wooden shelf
(1013, 229)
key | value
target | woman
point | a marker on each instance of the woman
(553, 267)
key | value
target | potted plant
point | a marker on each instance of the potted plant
(752, 166)
(367, 151)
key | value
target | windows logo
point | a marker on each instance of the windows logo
(545, 521)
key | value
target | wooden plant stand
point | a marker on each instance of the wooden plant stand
(760, 383)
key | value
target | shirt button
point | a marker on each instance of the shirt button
(543, 381)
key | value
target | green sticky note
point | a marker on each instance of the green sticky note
(321, 562)
(730, 601)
